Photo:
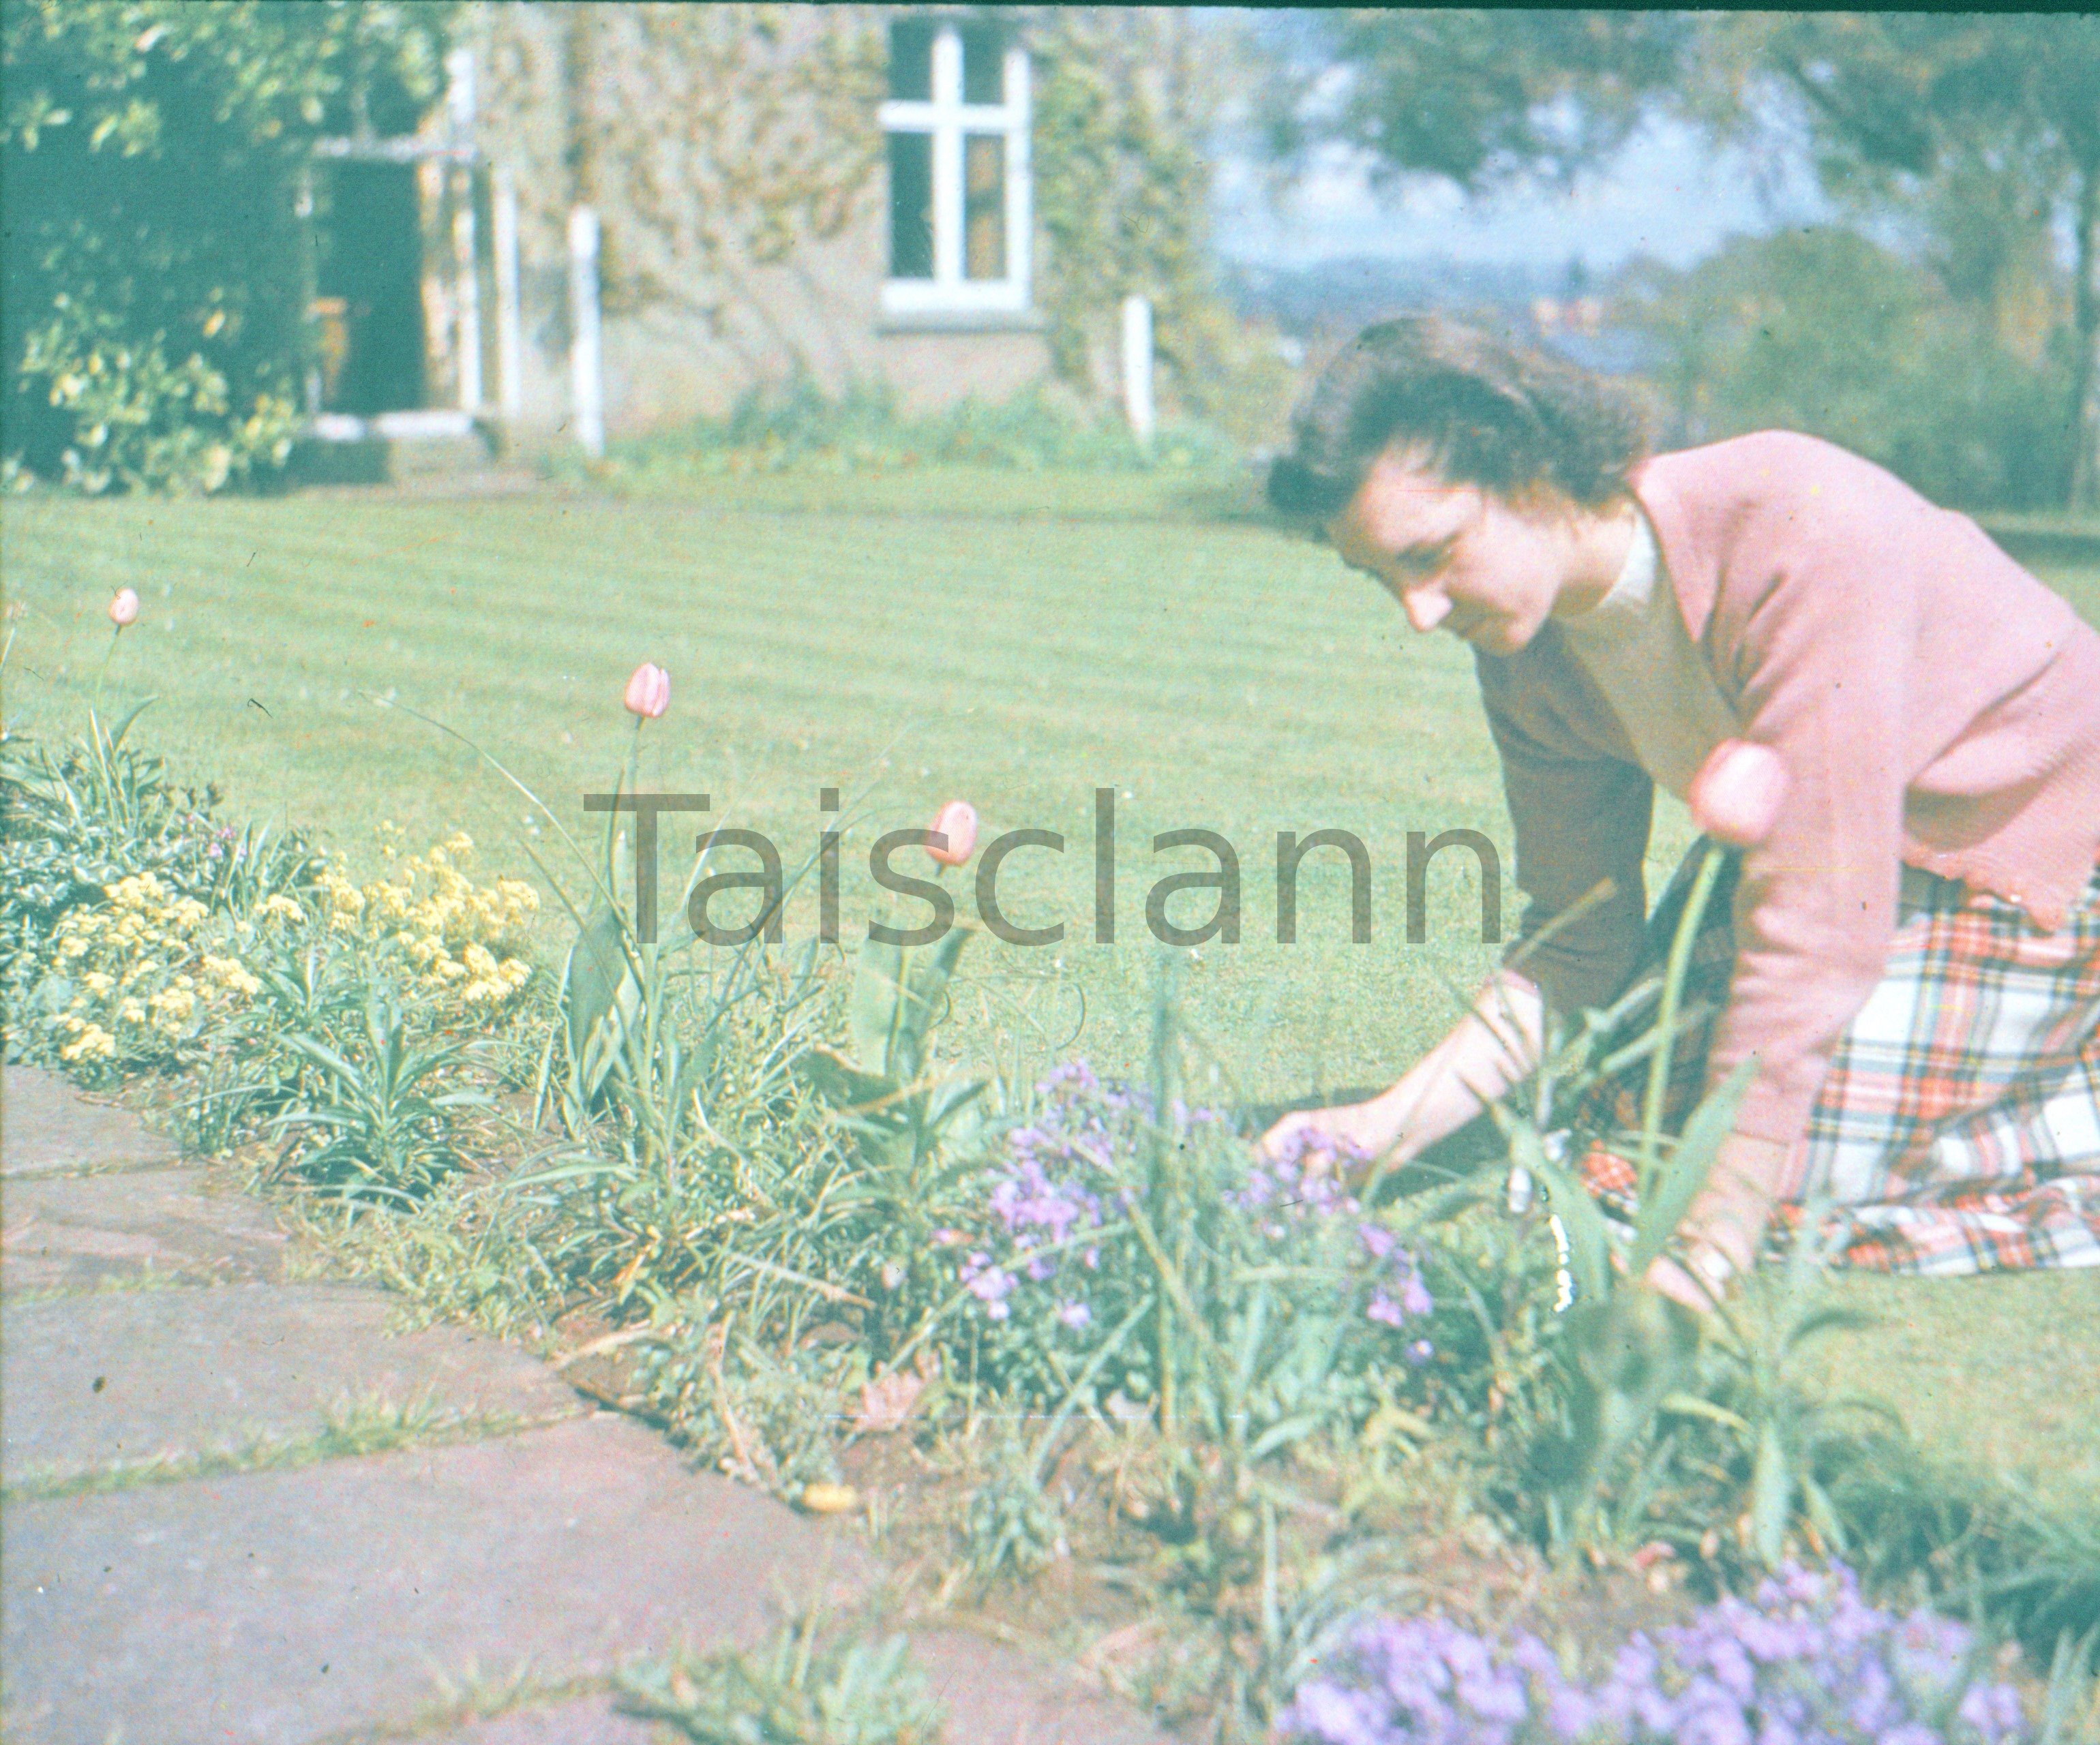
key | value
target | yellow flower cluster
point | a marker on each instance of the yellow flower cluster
(466, 940)
(134, 964)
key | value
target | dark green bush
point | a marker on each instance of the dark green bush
(154, 323)
(1822, 330)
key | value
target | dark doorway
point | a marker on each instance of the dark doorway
(369, 292)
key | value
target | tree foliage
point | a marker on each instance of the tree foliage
(156, 276)
(1825, 331)
(1476, 97)
(1121, 182)
(1918, 113)
(1974, 136)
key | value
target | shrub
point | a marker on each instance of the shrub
(465, 944)
(1823, 331)
(116, 887)
(1055, 1265)
(800, 427)
(154, 326)
(136, 982)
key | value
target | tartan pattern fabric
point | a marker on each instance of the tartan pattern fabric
(1958, 1128)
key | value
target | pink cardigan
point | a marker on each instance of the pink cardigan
(1935, 705)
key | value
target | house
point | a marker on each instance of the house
(844, 194)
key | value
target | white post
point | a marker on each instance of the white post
(1137, 366)
(1019, 173)
(466, 271)
(459, 117)
(510, 320)
(948, 261)
(586, 379)
(459, 96)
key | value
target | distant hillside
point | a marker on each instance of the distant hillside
(1321, 304)
(1314, 302)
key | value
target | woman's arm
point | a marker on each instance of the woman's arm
(1489, 1049)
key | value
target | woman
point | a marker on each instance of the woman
(1914, 962)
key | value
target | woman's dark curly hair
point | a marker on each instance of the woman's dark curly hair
(1483, 412)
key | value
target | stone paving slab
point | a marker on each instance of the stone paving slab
(591, 1720)
(94, 1380)
(82, 1232)
(208, 1609)
(47, 1128)
(994, 1695)
(997, 1695)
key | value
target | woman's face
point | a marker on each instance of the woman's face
(1456, 557)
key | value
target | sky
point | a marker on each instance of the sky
(1666, 195)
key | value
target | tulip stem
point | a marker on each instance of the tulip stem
(633, 781)
(108, 654)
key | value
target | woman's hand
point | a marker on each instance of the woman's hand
(1350, 1130)
(1720, 1237)
(1491, 1047)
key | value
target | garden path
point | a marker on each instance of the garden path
(200, 1545)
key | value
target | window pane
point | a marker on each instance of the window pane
(911, 205)
(984, 207)
(984, 50)
(911, 60)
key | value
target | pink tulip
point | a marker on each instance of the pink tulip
(1737, 793)
(953, 834)
(649, 691)
(124, 608)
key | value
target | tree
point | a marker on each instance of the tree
(1908, 106)
(1476, 97)
(1823, 330)
(154, 323)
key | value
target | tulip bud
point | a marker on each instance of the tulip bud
(1736, 796)
(649, 691)
(957, 825)
(124, 608)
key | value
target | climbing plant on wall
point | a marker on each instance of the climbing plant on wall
(711, 140)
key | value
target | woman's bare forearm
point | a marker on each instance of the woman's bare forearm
(1489, 1049)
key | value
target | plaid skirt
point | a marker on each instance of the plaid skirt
(1958, 1128)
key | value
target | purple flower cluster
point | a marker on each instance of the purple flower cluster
(1413, 1302)
(1307, 1180)
(1075, 1169)
(1806, 1660)
(1062, 1177)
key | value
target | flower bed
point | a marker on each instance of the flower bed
(788, 1214)
(1804, 1659)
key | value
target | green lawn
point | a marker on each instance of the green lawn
(1089, 634)
(1018, 640)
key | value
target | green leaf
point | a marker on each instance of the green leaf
(1772, 1496)
(1678, 1181)
(950, 1099)
(872, 1009)
(1589, 1241)
(594, 980)
(930, 974)
(1829, 1320)
(124, 726)
(1692, 1406)
(845, 1086)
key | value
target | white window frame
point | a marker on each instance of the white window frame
(947, 118)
